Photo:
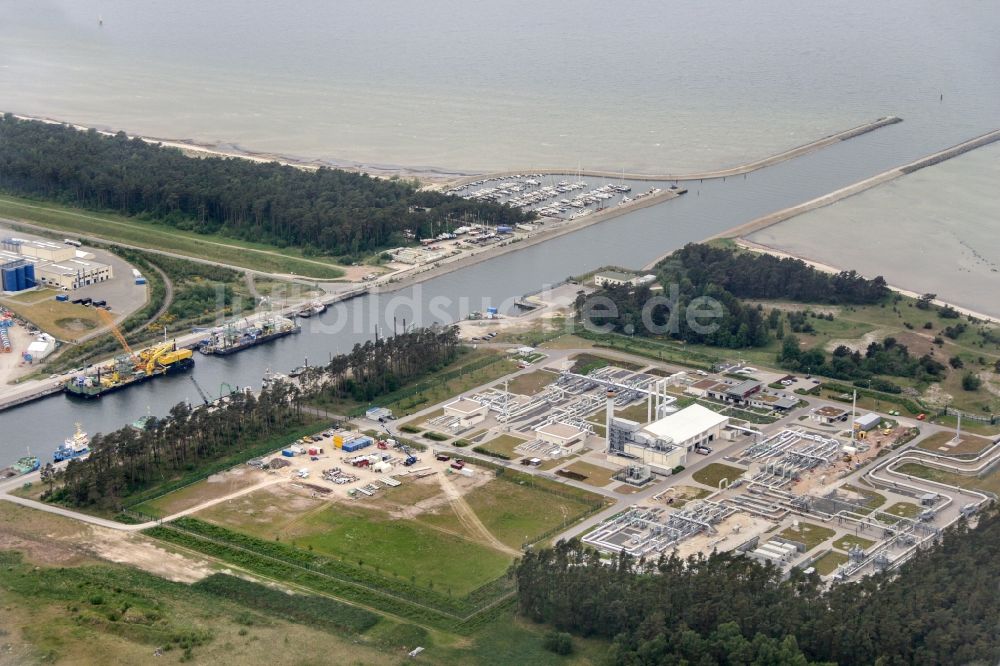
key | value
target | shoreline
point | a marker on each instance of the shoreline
(426, 175)
(435, 177)
(760, 248)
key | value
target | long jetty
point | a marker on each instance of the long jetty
(738, 170)
(861, 186)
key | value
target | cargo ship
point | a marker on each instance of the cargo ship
(129, 369)
(239, 335)
(25, 465)
(76, 446)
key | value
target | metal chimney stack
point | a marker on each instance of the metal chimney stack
(609, 414)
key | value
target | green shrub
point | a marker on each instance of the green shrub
(488, 452)
(558, 642)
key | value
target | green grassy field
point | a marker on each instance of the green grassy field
(903, 509)
(848, 541)
(58, 604)
(132, 231)
(968, 445)
(809, 534)
(400, 548)
(987, 483)
(531, 383)
(827, 564)
(712, 474)
(516, 514)
(504, 444)
(597, 475)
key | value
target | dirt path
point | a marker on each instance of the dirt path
(226, 498)
(470, 520)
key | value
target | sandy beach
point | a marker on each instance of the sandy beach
(931, 231)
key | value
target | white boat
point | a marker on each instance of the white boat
(74, 447)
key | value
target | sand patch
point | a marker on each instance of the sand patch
(139, 551)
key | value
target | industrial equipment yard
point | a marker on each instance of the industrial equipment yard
(630, 455)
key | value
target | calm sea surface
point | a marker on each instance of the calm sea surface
(642, 85)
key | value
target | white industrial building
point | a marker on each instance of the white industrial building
(664, 444)
(73, 274)
(56, 265)
(568, 438)
(613, 279)
(690, 427)
(468, 412)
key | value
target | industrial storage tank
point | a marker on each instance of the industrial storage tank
(29, 276)
(9, 279)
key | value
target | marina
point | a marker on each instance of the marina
(559, 196)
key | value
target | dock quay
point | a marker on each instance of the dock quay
(14, 396)
(24, 398)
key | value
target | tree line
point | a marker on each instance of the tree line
(131, 460)
(378, 367)
(938, 608)
(698, 272)
(329, 211)
(889, 357)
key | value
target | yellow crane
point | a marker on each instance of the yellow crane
(109, 321)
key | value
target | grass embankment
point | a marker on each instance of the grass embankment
(471, 369)
(531, 383)
(149, 235)
(503, 445)
(592, 475)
